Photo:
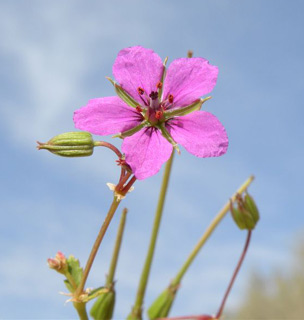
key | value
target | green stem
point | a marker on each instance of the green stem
(81, 310)
(110, 276)
(96, 245)
(208, 233)
(137, 308)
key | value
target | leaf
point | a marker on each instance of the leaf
(74, 269)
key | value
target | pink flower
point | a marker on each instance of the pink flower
(156, 110)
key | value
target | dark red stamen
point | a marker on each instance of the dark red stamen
(153, 95)
(159, 85)
(170, 98)
(140, 90)
(139, 109)
(158, 114)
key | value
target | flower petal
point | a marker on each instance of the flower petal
(188, 79)
(138, 67)
(200, 133)
(105, 116)
(146, 151)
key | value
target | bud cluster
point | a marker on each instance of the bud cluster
(59, 263)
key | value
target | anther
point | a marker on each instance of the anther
(170, 98)
(158, 114)
(159, 85)
(153, 95)
(138, 108)
(140, 90)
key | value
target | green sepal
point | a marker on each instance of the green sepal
(160, 92)
(130, 132)
(123, 94)
(103, 307)
(167, 136)
(95, 293)
(250, 206)
(195, 106)
(242, 217)
(161, 307)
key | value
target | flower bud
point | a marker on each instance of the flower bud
(59, 263)
(70, 144)
(245, 213)
(161, 307)
(104, 306)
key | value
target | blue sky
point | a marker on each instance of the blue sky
(54, 58)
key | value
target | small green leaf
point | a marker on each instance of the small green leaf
(74, 269)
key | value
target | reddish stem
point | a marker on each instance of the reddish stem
(122, 181)
(220, 311)
(128, 185)
(108, 145)
(116, 151)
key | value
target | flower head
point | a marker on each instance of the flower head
(156, 110)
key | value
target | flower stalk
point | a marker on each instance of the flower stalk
(136, 312)
(81, 310)
(110, 276)
(96, 246)
(208, 232)
(161, 306)
(236, 271)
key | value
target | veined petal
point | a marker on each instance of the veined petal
(138, 67)
(188, 79)
(146, 151)
(200, 133)
(105, 116)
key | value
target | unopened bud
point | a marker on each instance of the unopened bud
(59, 263)
(70, 144)
(161, 307)
(245, 213)
(104, 306)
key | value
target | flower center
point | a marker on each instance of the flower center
(153, 108)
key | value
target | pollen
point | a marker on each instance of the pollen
(159, 85)
(139, 109)
(170, 98)
(140, 90)
(158, 114)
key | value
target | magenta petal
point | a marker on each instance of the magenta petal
(200, 133)
(146, 151)
(138, 67)
(104, 116)
(188, 79)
